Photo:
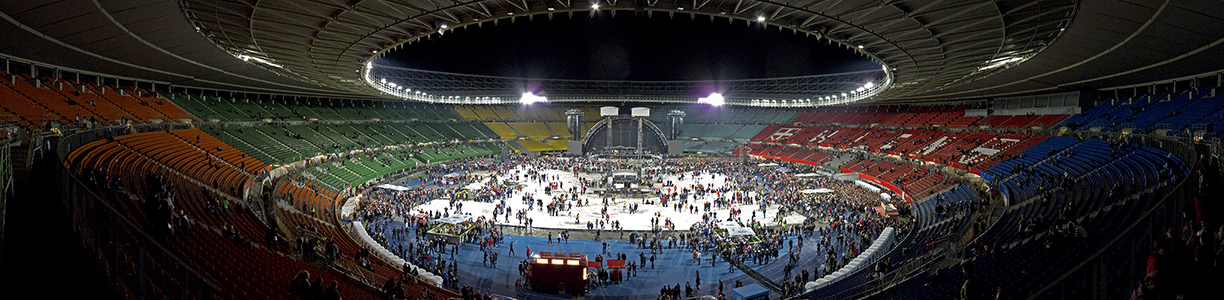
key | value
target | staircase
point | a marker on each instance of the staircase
(269, 137)
(523, 149)
(22, 157)
(409, 137)
(765, 282)
(236, 138)
(6, 186)
(206, 105)
(101, 92)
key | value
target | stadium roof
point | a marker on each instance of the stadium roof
(939, 49)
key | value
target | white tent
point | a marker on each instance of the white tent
(455, 219)
(867, 186)
(767, 165)
(392, 187)
(816, 191)
(727, 224)
(740, 231)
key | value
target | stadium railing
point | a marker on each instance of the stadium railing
(1127, 250)
(127, 249)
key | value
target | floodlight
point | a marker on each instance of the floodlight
(760, 18)
(869, 84)
(529, 98)
(595, 6)
(714, 99)
(860, 46)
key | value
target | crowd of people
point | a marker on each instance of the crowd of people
(1188, 256)
(845, 218)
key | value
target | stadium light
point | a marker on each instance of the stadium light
(1000, 62)
(529, 98)
(595, 6)
(760, 18)
(869, 84)
(714, 99)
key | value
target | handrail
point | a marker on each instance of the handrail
(1188, 155)
(142, 234)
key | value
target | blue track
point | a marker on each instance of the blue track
(672, 266)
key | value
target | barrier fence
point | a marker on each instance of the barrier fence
(133, 261)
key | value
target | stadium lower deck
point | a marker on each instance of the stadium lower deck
(209, 176)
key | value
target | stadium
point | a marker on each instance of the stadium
(706, 149)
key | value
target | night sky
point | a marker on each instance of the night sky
(627, 47)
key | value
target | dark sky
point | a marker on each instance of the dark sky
(627, 47)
